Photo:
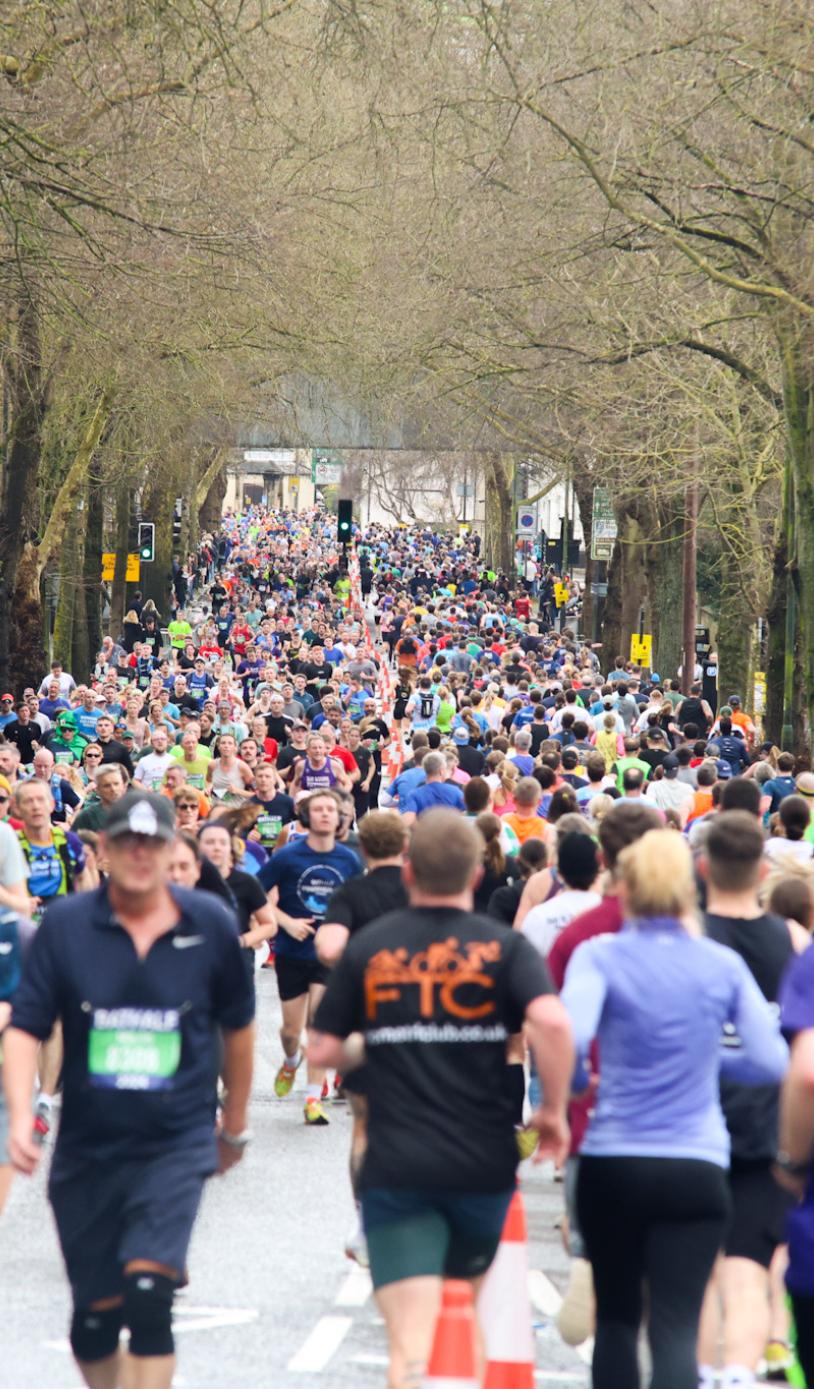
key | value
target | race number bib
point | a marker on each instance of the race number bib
(134, 1048)
(269, 828)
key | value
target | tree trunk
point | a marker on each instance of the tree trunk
(121, 544)
(584, 493)
(27, 646)
(93, 559)
(499, 538)
(81, 655)
(209, 516)
(66, 601)
(22, 654)
(156, 578)
(612, 626)
(798, 395)
(665, 586)
(776, 645)
(634, 580)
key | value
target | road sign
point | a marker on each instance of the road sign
(326, 468)
(527, 521)
(560, 594)
(603, 525)
(641, 648)
(132, 574)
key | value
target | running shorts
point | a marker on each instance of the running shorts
(759, 1210)
(109, 1213)
(414, 1233)
(295, 976)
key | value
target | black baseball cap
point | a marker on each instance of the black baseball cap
(140, 812)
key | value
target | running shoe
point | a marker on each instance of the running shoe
(576, 1317)
(326, 1090)
(314, 1113)
(778, 1359)
(284, 1081)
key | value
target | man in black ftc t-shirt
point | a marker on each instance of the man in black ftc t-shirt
(436, 990)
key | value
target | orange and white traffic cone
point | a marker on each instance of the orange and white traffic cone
(504, 1309)
(453, 1359)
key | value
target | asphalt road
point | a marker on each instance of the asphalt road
(272, 1298)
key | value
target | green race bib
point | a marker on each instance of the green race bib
(269, 827)
(141, 1053)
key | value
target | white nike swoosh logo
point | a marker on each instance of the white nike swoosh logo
(184, 942)
(6, 947)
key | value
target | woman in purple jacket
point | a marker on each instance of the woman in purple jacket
(670, 1011)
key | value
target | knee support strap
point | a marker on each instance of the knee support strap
(148, 1312)
(95, 1334)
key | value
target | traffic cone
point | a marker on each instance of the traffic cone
(504, 1309)
(453, 1359)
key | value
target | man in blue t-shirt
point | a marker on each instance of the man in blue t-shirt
(434, 792)
(300, 879)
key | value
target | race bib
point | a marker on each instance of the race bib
(196, 779)
(269, 828)
(134, 1048)
(64, 759)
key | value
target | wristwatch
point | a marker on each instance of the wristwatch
(794, 1169)
(236, 1140)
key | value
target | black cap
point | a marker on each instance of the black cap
(670, 764)
(140, 812)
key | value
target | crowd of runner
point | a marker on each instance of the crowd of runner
(515, 905)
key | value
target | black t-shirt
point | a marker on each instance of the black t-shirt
(273, 815)
(751, 1111)
(24, 736)
(366, 897)
(279, 727)
(470, 760)
(539, 734)
(249, 897)
(436, 992)
(287, 756)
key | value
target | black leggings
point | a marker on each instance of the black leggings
(804, 1322)
(652, 1228)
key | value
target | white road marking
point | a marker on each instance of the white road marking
(548, 1300)
(355, 1290)
(320, 1345)
(544, 1376)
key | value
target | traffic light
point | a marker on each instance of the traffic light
(344, 518)
(146, 541)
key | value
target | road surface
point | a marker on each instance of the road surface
(272, 1298)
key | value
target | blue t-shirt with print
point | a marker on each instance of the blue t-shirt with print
(305, 878)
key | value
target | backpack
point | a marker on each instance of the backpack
(63, 850)
(426, 705)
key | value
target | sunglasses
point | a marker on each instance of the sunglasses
(4, 800)
(187, 805)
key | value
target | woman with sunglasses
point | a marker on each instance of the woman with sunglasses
(91, 760)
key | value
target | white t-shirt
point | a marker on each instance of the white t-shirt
(796, 850)
(13, 865)
(151, 770)
(544, 923)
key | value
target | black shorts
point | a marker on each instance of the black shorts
(759, 1211)
(414, 1233)
(355, 1082)
(109, 1213)
(295, 976)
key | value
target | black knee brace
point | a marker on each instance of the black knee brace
(95, 1334)
(148, 1312)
